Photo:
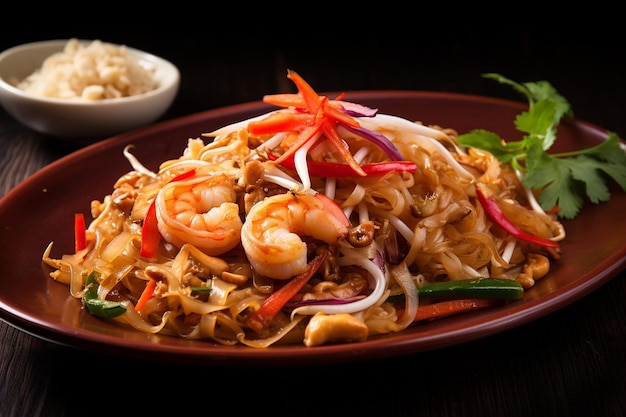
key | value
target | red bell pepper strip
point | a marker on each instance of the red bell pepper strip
(184, 175)
(150, 235)
(334, 169)
(496, 215)
(277, 300)
(80, 232)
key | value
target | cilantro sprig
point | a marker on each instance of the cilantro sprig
(564, 179)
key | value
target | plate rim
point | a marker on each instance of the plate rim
(374, 348)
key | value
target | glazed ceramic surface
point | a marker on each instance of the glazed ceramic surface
(41, 210)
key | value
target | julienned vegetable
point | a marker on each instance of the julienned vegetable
(451, 307)
(495, 214)
(461, 296)
(333, 169)
(495, 288)
(564, 178)
(217, 241)
(311, 115)
(147, 294)
(488, 288)
(322, 118)
(275, 302)
(150, 235)
(101, 308)
(80, 232)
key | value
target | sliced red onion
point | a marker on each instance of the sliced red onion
(357, 110)
(377, 139)
(379, 261)
(380, 284)
(321, 302)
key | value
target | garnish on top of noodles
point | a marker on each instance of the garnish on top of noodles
(320, 222)
(306, 118)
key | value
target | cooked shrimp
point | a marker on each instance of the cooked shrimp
(271, 232)
(201, 211)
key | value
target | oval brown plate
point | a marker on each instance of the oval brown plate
(41, 210)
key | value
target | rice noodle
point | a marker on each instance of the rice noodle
(431, 218)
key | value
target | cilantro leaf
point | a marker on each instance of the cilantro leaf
(520, 88)
(489, 141)
(537, 91)
(613, 157)
(586, 169)
(564, 179)
(558, 187)
(539, 121)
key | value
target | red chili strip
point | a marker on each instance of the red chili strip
(150, 235)
(496, 215)
(80, 232)
(335, 169)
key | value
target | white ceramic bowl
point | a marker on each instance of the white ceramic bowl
(82, 121)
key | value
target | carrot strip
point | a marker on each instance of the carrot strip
(336, 113)
(277, 300)
(307, 134)
(311, 99)
(281, 121)
(450, 307)
(333, 108)
(285, 100)
(146, 294)
(318, 105)
(334, 137)
(314, 102)
(315, 114)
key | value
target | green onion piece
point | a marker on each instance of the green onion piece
(104, 308)
(203, 290)
(492, 288)
(100, 308)
(498, 288)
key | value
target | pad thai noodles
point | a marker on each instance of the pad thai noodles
(323, 221)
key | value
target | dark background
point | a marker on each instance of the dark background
(230, 58)
(569, 363)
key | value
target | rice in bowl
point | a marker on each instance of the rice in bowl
(93, 71)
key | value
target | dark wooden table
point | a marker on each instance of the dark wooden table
(569, 363)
